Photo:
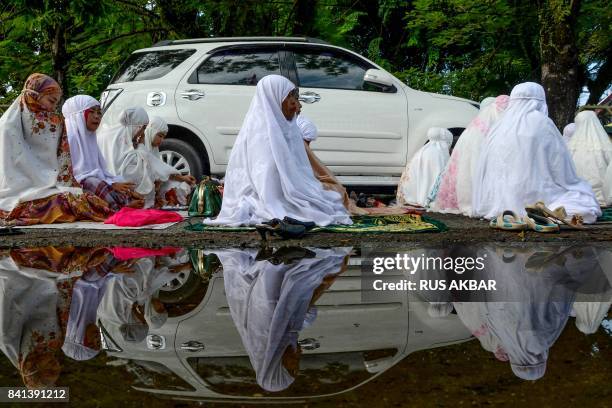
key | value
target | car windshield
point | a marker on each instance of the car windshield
(141, 66)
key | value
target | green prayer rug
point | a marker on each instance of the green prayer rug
(606, 215)
(362, 224)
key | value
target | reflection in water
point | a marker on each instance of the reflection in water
(250, 325)
(536, 290)
(271, 302)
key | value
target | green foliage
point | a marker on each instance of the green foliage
(470, 48)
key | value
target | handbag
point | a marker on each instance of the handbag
(206, 199)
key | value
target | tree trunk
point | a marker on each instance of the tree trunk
(559, 56)
(304, 17)
(59, 56)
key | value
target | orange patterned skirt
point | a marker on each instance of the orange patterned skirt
(58, 208)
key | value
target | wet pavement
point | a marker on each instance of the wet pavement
(306, 325)
(460, 230)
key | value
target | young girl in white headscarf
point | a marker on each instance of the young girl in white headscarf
(268, 175)
(116, 140)
(454, 194)
(422, 171)
(160, 183)
(524, 160)
(591, 150)
(82, 115)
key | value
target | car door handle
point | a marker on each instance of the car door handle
(309, 344)
(309, 97)
(192, 94)
(192, 346)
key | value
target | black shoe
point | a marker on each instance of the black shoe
(307, 224)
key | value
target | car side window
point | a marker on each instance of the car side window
(238, 67)
(330, 69)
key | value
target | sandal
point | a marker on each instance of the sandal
(559, 215)
(540, 224)
(281, 229)
(508, 221)
(307, 224)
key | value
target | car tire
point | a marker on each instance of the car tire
(183, 290)
(183, 157)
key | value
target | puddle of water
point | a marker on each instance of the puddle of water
(308, 324)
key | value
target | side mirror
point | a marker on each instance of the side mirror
(378, 78)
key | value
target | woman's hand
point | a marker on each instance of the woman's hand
(124, 188)
(187, 178)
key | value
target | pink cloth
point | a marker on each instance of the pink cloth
(125, 253)
(133, 217)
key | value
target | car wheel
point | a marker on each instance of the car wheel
(185, 284)
(182, 156)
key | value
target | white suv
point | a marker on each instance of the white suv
(369, 122)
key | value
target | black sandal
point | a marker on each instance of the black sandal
(307, 224)
(281, 229)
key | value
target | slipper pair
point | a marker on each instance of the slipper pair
(509, 221)
(558, 216)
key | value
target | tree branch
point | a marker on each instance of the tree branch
(110, 40)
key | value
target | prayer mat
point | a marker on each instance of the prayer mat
(362, 224)
(606, 216)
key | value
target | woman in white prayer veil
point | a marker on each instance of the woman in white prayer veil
(591, 308)
(531, 304)
(89, 167)
(159, 183)
(270, 304)
(30, 334)
(268, 175)
(81, 342)
(591, 150)
(116, 140)
(124, 310)
(423, 170)
(454, 192)
(524, 160)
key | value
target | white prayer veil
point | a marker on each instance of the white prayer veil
(86, 297)
(269, 175)
(422, 171)
(524, 160)
(568, 131)
(453, 193)
(87, 160)
(309, 130)
(589, 315)
(156, 125)
(591, 150)
(487, 101)
(115, 141)
(270, 305)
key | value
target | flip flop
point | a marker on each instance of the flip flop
(559, 215)
(508, 221)
(540, 224)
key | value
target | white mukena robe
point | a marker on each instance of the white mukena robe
(268, 175)
(525, 160)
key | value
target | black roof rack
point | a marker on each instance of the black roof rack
(238, 39)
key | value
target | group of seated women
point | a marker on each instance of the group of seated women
(59, 169)
(509, 157)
